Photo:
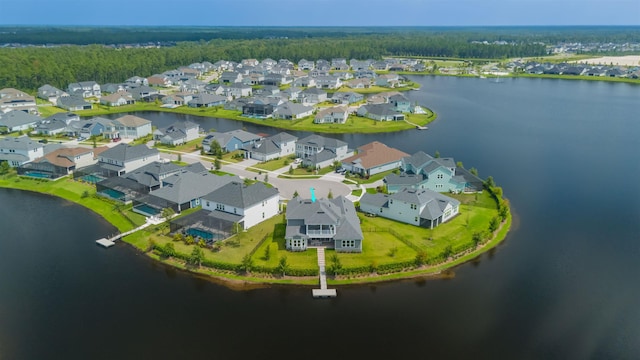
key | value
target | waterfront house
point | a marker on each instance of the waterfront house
(124, 158)
(380, 112)
(143, 92)
(254, 203)
(87, 128)
(60, 162)
(56, 123)
(312, 96)
(292, 111)
(207, 100)
(17, 151)
(332, 115)
(177, 133)
(373, 158)
(422, 171)
(361, 83)
(346, 98)
(323, 222)
(230, 140)
(272, 147)
(130, 127)
(118, 98)
(152, 175)
(420, 207)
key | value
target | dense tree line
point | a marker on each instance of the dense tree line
(30, 67)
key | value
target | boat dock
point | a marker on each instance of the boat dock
(323, 292)
(109, 242)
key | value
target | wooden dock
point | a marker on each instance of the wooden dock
(323, 292)
(107, 243)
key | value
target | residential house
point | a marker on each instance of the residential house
(380, 112)
(422, 171)
(332, 115)
(230, 140)
(85, 89)
(124, 158)
(328, 82)
(360, 64)
(339, 64)
(346, 98)
(192, 86)
(152, 175)
(137, 81)
(159, 80)
(177, 133)
(16, 120)
(306, 65)
(423, 207)
(272, 147)
(292, 93)
(184, 190)
(17, 151)
(73, 103)
(360, 83)
(237, 90)
(249, 62)
(60, 162)
(253, 203)
(323, 222)
(323, 65)
(374, 158)
(143, 92)
(177, 99)
(253, 79)
(304, 81)
(56, 123)
(388, 80)
(292, 111)
(50, 93)
(119, 98)
(312, 96)
(87, 128)
(317, 151)
(400, 103)
(230, 77)
(130, 127)
(207, 100)
(258, 110)
(13, 99)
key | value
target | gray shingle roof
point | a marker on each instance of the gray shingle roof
(19, 143)
(18, 118)
(239, 195)
(321, 141)
(186, 186)
(339, 212)
(125, 152)
(403, 179)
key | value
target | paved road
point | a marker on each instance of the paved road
(286, 187)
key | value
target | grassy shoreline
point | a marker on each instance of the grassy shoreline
(271, 232)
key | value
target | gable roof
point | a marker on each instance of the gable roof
(63, 156)
(321, 141)
(19, 143)
(242, 196)
(186, 186)
(375, 154)
(18, 118)
(126, 152)
(132, 121)
(339, 212)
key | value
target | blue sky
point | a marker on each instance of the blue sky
(320, 12)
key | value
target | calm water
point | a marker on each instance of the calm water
(563, 285)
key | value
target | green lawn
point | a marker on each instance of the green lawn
(275, 164)
(73, 191)
(276, 244)
(377, 249)
(190, 146)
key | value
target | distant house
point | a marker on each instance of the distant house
(332, 115)
(177, 133)
(230, 140)
(159, 80)
(422, 171)
(17, 151)
(361, 83)
(87, 128)
(60, 162)
(16, 120)
(423, 207)
(373, 158)
(13, 99)
(328, 82)
(207, 100)
(292, 93)
(73, 103)
(239, 90)
(130, 127)
(56, 123)
(380, 112)
(258, 110)
(400, 103)
(346, 98)
(304, 81)
(137, 81)
(124, 158)
(388, 80)
(292, 111)
(306, 65)
(143, 92)
(253, 203)
(317, 151)
(50, 93)
(85, 89)
(119, 98)
(230, 77)
(312, 96)
(324, 222)
(272, 147)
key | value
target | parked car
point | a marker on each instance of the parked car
(116, 139)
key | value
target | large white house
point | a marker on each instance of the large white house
(130, 127)
(17, 151)
(124, 158)
(422, 207)
(273, 147)
(254, 203)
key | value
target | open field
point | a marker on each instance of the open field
(628, 60)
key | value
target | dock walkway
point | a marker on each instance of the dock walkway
(323, 292)
(109, 242)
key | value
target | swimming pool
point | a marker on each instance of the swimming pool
(207, 236)
(37, 174)
(92, 178)
(114, 194)
(146, 210)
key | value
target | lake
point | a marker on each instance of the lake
(563, 285)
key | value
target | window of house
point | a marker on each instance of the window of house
(440, 176)
(220, 207)
(208, 204)
(263, 215)
(349, 243)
